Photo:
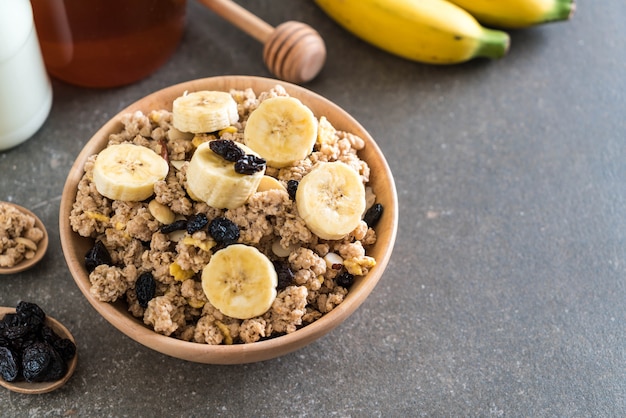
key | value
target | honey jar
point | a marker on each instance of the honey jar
(107, 43)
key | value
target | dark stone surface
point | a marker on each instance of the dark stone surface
(505, 294)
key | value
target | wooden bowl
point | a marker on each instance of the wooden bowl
(75, 247)
(42, 246)
(35, 388)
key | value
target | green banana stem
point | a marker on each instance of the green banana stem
(494, 44)
(563, 10)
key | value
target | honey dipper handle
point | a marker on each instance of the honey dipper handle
(293, 51)
(242, 18)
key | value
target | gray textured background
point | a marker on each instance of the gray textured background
(505, 293)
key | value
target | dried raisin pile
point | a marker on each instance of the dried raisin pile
(29, 349)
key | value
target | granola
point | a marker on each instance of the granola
(269, 221)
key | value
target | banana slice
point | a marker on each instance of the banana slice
(128, 172)
(282, 130)
(240, 281)
(212, 179)
(204, 111)
(331, 200)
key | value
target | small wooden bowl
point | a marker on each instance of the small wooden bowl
(75, 247)
(42, 387)
(42, 246)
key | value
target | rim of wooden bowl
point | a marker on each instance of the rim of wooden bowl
(36, 388)
(75, 247)
(42, 246)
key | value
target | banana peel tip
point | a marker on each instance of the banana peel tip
(495, 44)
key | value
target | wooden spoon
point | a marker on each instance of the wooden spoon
(293, 51)
(42, 387)
(42, 245)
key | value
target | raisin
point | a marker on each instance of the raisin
(345, 279)
(35, 359)
(96, 256)
(196, 222)
(145, 288)
(224, 231)
(56, 368)
(178, 225)
(65, 347)
(32, 347)
(21, 335)
(48, 335)
(9, 364)
(373, 214)
(284, 273)
(249, 164)
(292, 188)
(226, 149)
(9, 320)
(30, 313)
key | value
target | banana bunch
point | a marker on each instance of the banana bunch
(442, 31)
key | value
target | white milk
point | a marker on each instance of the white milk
(25, 90)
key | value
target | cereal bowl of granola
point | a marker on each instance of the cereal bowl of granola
(229, 220)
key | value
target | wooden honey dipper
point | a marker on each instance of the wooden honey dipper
(293, 51)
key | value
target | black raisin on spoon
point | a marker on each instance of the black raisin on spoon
(35, 360)
(30, 313)
(31, 350)
(40, 362)
(224, 231)
(9, 364)
(65, 347)
(227, 149)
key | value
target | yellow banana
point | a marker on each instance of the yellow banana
(515, 14)
(430, 31)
